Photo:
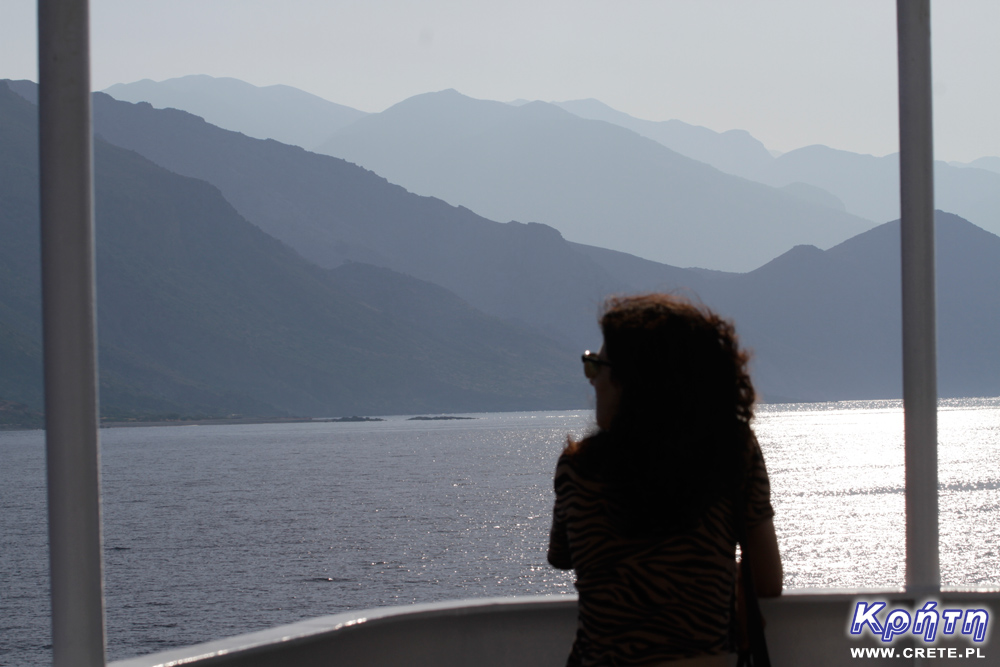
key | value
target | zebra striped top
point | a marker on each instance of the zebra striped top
(644, 601)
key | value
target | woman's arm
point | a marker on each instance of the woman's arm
(559, 555)
(765, 559)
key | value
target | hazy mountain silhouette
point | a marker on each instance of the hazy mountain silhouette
(734, 152)
(869, 186)
(332, 211)
(595, 182)
(823, 324)
(813, 195)
(988, 163)
(826, 325)
(864, 185)
(200, 311)
(283, 113)
(524, 272)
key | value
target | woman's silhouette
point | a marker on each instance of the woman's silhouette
(646, 506)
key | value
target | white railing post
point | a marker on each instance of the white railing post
(71, 415)
(916, 177)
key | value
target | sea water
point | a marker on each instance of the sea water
(211, 531)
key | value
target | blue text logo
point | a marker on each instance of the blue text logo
(925, 622)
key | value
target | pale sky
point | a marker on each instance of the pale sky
(791, 72)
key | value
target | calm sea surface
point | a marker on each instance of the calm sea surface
(219, 530)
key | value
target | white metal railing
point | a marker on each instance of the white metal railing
(804, 628)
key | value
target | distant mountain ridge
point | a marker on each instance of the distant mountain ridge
(596, 183)
(869, 186)
(201, 312)
(734, 152)
(530, 274)
(282, 113)
(824, 325)
(991, 163)
(864, 185)
(333, 212)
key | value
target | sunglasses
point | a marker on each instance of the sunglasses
(592, 364)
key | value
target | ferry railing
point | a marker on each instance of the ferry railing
(807, 628)
(66, 154)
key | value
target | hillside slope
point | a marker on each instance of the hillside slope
(200, 311)
(826, 325)
(283, 113)
(595, 182)
(734, 152)
(333, 212)
(867, 186)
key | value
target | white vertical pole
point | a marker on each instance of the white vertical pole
(71, 414)
(916, 176)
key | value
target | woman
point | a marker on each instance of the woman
(646, 507)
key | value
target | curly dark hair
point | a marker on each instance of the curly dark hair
(681, 437)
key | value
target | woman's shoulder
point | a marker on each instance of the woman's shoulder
(579, 468)
(583, 456)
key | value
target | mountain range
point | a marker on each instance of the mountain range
(595, 182)
(861, 185)
(201, 312)
(512, 299)
(989, 163)
(734, 152)
(869, 186)
(612, 190)
(827, 324)
(864, 185)
(333, 212)
(282, 113)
